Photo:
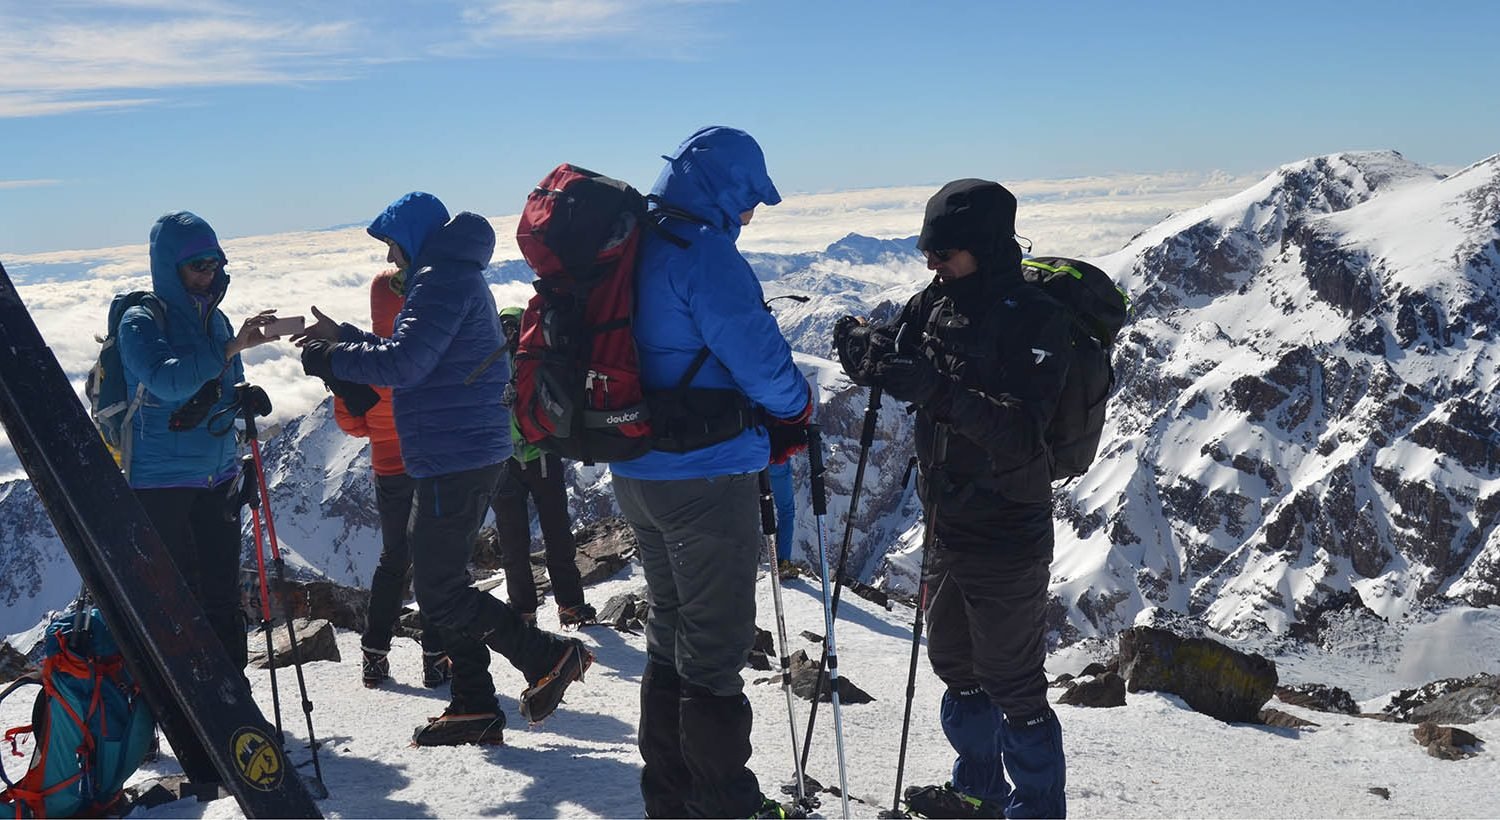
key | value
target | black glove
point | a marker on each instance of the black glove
(787, 439)
(860, 347)
(910, 377)
(317, 359)
(359, 398)
(789, 436)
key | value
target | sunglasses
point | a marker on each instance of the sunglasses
(941, 256)
(205, 264)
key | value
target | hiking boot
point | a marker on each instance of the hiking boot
(787, 570)
(436, 669)
(580, 615)
(529, 618)
(946, 801)
(374, 666)
(542, 697)
(456, 727)
(770, 808)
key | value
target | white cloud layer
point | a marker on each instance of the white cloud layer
(68, 292)
(1086, 216)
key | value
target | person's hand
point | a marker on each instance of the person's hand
(861, 347)
(851, 337)
(251, 333)
(910, 377)
(789, 436)
(317, 359)
(325, 329)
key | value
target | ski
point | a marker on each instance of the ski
(163, 634)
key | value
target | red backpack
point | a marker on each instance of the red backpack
(577, 375)
(578, 379)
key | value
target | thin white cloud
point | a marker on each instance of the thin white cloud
(663, 28)
(7, 184)
(42, 105)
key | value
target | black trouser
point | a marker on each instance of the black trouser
(445, 520)
(986, 642)
(393, 498)
(542, 480)
(201, 530)
(700, 544)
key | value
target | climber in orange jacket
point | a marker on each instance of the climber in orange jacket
(393, 497)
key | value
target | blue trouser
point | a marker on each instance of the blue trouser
(786, 508)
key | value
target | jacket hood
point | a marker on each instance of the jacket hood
(409, 221)
(717, 174)
(175, 238)
(467, 239)
(512, 311)
(974, 215)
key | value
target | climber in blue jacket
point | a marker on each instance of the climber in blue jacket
(693, 500)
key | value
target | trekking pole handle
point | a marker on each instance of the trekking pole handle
(872, 412)
(815, 469)
(767, 504)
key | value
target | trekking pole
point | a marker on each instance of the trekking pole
(768, 526)
(820, 511)
(866, 440)
(250, 497)
(253, 402)
(939, 457)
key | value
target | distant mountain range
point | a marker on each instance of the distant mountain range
(1303, 418)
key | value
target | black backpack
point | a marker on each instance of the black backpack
(1100, 308)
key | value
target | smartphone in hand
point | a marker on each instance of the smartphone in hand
(284, 326)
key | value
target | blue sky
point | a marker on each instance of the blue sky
(279, 116)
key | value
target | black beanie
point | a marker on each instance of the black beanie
(973, 215)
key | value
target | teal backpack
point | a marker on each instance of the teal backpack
(109, 406)
(90, 727)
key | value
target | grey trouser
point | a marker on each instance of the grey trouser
(700, 544)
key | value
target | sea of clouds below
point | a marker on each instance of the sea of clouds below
(68, 291)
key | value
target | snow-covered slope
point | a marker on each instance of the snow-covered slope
(1304, 406)
(1154, 757)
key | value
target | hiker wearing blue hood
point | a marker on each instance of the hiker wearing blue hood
(182, 350)
(701, 322)
(454, 432)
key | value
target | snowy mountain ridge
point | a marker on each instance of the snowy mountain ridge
(1301, 413)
